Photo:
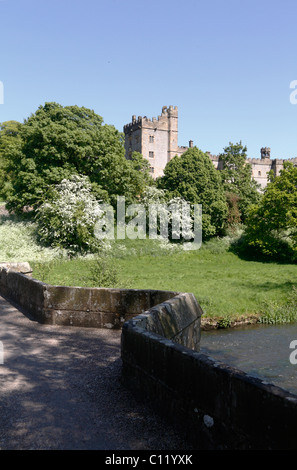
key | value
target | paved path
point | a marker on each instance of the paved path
(60, 389)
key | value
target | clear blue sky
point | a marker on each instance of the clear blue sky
(227, 65)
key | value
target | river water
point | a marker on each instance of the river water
(262, 351)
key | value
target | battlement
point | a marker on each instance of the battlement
(171, 111)
(167, 112)
(292, 160)
(275, 161)
(258, 161)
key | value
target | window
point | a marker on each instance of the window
(151, 139)
(259, 173)
(151, 154)
(152, 169)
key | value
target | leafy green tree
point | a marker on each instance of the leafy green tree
(272, 224)
(57, 142)
(9, 137)
(237, 178)
(121, 177)
(193, 177)
(233, 218)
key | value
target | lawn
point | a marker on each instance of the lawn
(225, 285)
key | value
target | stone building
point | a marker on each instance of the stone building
(157, 140)
(260, 167)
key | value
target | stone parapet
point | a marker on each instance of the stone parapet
(215, 406)
(75, 306)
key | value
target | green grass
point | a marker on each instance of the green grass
(225, 285)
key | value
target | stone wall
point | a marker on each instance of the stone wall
(215, 406)
(94, 307)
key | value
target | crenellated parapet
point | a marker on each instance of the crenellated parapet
(135, 124)
(258, 161)
(140, 121)
(292, 160)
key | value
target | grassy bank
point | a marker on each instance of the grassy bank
(226, 286)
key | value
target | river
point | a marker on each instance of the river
(261, 351)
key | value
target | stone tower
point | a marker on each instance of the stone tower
(155, 139)
(265, 153)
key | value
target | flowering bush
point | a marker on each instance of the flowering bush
(68, 218)
(175, 212)
(18, 242)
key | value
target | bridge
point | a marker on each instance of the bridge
(61, 389)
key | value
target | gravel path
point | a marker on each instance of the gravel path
(60, 389)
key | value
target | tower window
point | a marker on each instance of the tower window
(151, 154)
(151, 138)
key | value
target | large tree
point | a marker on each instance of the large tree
(272, 224)
(57, 142)
(237, 179)
(9, 137)
(192, 176)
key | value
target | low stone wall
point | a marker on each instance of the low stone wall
(76, 306)
(217, 406)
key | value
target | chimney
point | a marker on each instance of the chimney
(190, 144)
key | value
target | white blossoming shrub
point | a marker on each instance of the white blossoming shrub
(153, 195)
(176, 214)
(68, 219)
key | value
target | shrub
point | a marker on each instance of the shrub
(67, 219)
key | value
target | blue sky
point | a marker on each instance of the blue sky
(227, 65)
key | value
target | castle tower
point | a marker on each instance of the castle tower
(265, 153)
(172, 131)
(155, 139)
